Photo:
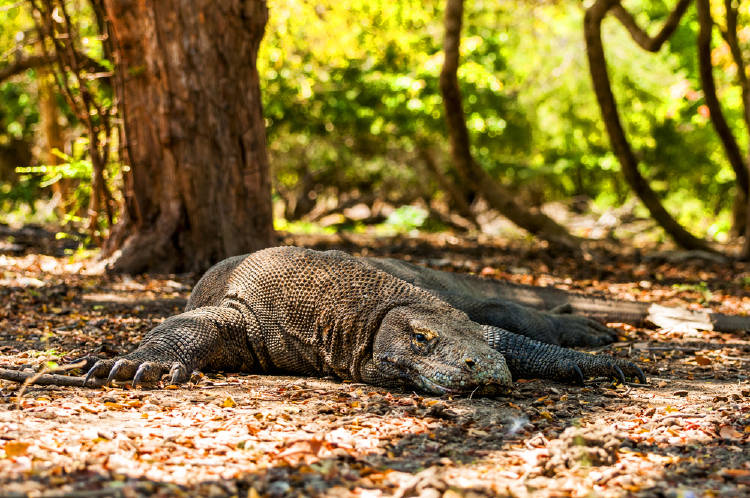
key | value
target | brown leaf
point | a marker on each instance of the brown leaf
(729, 432)
(702, 360)
(736, 472)
(15, 448)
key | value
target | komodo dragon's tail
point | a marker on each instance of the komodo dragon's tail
(549, 298)
(610, 310)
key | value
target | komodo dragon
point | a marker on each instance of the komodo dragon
(295, 310)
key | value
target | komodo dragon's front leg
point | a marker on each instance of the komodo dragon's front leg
(210, 337)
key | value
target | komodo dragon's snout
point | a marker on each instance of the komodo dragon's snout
(438, 350)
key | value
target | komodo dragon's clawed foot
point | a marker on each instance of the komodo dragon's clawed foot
(607, 366)
(141, 372)
(528, 358)
(576, 367)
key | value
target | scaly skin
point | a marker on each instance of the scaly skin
(294, 310)
(480, 299)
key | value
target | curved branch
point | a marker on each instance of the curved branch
(25, 62)
(646, 42)
(21, 64)
(43, 379)
(730, 36)
(620, 145)
(496, 195)
(705, 67)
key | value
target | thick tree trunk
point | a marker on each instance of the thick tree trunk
(620, 145)
(198, 187)
(496, 194)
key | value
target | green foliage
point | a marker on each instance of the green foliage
(406, 218)
(351, 95)
(76, 169)
(24, 182)
(351, 99)
(700, 288)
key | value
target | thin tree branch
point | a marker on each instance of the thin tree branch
(652, 44)
(705, 68)
(730, 36)
(25, 62)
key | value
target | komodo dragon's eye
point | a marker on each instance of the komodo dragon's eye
(422, 336)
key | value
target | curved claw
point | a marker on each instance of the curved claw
(639, 373)
(178, 373)
(562, 309)
(147, 373)
(100, 368)
(138, 376)
(620, 376)
(116, 369)
(579, 374)
(88, 362)
(89, 374)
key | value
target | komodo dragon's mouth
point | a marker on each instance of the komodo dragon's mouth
(434, 387)
(409, 373)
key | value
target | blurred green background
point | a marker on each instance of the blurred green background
(354, 115)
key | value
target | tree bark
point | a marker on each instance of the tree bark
(732, 150)
(497, 196)
(620, 145)
(198, 188)
(732, 39)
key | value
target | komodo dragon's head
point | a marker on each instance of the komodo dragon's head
(439, 350)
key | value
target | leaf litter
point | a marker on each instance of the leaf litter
(688, 433)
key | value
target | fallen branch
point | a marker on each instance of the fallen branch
(44, 379)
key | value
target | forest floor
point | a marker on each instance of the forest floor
(685, 434)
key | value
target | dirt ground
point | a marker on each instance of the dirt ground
(685, 434)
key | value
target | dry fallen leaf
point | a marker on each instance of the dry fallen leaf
(16, 448)
(736, 472)
(229, 402)
(702, 360)
(728, 432)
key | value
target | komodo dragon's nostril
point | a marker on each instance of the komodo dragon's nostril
(470, 362)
